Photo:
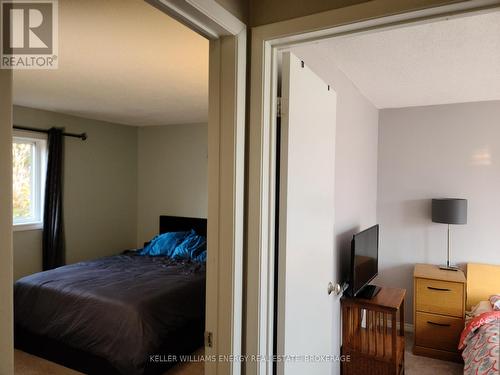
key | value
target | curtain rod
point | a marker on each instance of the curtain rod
(82, 136)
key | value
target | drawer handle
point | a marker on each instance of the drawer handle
(439, 324)
(439, 289)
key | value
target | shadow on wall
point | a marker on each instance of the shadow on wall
(411, 217)
(416, 212)
(392, 276)
(343, 246)
(400, 276)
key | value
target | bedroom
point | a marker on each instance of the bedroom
(142, 163)
(414, 215)
(415, 113)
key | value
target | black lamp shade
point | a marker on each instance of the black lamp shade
(449, 211)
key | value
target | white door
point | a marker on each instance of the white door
(306, 222)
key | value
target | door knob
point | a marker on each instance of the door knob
(334, 288)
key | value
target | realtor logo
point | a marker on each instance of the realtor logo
(29, 34)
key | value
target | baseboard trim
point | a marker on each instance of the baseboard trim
(437, 354)
(407, 326)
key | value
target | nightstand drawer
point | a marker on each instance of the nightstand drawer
(440, 297)
(437, 331)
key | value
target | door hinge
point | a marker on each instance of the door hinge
(209, 336)
(278, 106)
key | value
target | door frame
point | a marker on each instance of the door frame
(226, 166)
(226, 149)
(266, 42)
(6, 253)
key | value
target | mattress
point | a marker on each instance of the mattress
(124, 308)
(480, 344)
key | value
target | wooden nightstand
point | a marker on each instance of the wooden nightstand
(439, 310)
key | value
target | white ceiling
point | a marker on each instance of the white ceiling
(121, 61)
(451, 61)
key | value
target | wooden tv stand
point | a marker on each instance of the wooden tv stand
(370, 333)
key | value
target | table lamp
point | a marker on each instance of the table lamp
(449, 211)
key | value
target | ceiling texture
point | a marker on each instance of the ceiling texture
(124, 61)
(121, 61)
(451, 61)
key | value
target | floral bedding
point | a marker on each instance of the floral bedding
(480, 344)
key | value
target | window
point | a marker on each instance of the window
(29, 163)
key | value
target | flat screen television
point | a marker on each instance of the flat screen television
(364, 263)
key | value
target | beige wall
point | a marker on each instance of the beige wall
(100, 190)
(238, 8)
(434, 152)
(27, 253)
(6, 326)
(263, 12)
(172, 172)
(117, 184)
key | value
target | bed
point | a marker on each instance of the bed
(479, 341)
(124, 314)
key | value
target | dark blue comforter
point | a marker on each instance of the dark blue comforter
(122, 308)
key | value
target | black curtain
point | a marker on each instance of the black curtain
(53, 236)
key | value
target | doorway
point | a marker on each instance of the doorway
(269, 42)
(226, 148)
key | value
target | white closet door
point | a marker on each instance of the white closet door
(306, 224)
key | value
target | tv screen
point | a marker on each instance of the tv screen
(364, 258)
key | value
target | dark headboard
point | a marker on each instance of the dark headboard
(181, 224)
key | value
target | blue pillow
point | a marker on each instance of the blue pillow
(194, 247)
(164, 244)
(202, 258)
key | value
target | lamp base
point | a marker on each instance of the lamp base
(449, 268)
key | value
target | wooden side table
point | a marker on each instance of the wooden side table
(370, 334)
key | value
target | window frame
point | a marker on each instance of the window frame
(39, 141)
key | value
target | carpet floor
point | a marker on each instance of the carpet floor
(26, 364)
(417, 365)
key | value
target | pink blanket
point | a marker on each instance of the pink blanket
(480, 344)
